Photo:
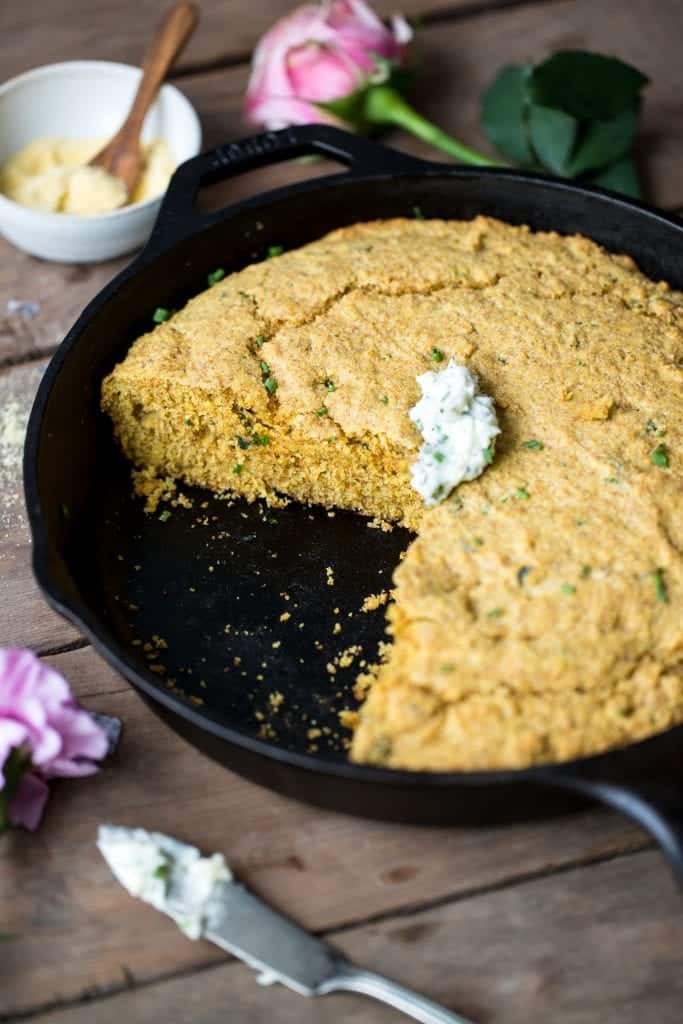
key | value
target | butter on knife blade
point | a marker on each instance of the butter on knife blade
(202, 897)
(172, 876)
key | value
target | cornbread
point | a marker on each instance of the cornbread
(537, 616)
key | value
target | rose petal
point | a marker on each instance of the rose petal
(38, 713)
(28, 803)
(320, 73)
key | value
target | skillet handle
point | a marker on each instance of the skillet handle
(177, 215)
(651, 798)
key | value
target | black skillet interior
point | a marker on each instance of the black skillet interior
(222, 614)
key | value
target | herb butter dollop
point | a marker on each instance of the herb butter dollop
(459, 427)
(172, 876)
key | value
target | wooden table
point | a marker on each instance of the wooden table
(569, 922)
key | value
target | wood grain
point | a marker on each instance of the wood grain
(25, 619)
(100, 30)
(600, 945)
(326, 869)
(61, 292)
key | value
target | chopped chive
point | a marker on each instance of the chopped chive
(330, 385)
(522, 574)
(215, 276)
(260, 439)
(612, 480)
(162, 871)
(384, 400)
(439, 456)
(488, 454)
(275, 250)
(265, 369)
(237, 468)
(161, 315)
(165, 516)
(653, 428)
(581, 522)
(417, 213)
(585, 572)
(660, 456)
(660, 586)
(260, 340)
(437, 355)
(270, 384)
(535, 446)
(521, 494)
(495, 613)
(447, 667)
(322, 411)
(438, 493)
(188, 422)
(568, 588)
(243, 443)
(245, 295)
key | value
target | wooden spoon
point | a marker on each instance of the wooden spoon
(122, 157)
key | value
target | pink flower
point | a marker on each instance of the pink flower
(43, 734)
(316, 54)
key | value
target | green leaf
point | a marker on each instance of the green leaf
(602, 142)
(621, 176)
(503, 113)
(587, 86)
(553, 135)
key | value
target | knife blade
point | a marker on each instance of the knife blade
(243, 925)
(204, 899)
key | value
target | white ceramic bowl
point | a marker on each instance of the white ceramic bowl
(86, 99)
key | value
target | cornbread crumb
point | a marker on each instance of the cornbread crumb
(152, 488)
(374, 601)
(275, 700)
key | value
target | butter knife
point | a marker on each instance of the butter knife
(201, 895)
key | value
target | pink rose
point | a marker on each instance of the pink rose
(316, 54)
(43, 735)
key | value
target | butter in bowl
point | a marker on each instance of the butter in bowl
(53, 203)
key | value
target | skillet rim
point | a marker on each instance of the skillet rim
(390, 165)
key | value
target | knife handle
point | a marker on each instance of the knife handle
(353, 979)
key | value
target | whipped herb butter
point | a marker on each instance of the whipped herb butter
(172, 876)
(459, 427)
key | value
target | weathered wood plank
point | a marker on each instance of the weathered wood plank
(60, 292)
(100, 30)
(57, 894)
(600, 945)
(25, 619)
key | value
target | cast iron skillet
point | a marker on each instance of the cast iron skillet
(209, 580)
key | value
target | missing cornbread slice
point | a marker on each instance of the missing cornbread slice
(295, 377)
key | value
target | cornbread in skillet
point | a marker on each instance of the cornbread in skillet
(537, 615)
